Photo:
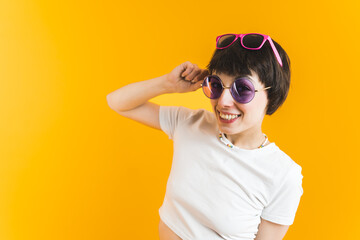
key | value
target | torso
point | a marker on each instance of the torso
(166, 233)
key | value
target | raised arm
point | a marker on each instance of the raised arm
(132, 100)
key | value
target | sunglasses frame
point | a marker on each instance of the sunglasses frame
(241, 36)
(232, 87)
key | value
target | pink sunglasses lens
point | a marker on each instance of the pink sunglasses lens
(252, 40)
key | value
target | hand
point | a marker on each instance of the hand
(186, 77)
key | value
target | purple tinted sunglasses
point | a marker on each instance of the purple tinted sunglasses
(242, 89)
(252, 41)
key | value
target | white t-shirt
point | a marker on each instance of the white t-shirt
(216, 192)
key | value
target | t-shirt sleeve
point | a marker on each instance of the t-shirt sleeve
(171, 117)
(285, 200)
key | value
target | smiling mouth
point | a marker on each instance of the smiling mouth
(228, 117)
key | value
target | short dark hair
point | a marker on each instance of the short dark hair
(236, 60)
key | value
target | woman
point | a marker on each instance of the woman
(227, 180)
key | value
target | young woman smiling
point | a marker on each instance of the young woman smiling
(227, 180)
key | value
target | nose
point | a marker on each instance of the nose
(226, 99)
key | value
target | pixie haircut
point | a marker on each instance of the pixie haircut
(236, 60)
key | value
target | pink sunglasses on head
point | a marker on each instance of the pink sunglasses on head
(252, 41)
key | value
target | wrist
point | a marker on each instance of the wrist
(164, 84)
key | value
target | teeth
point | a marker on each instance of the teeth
(228, 117)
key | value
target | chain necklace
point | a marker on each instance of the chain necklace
(229, 144)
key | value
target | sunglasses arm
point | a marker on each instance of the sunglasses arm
(275, 52)
(262, 89)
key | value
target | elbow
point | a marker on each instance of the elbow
(109, 102)
(112, 104)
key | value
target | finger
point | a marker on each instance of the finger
(202, 73)
(188, 69)
(193, 76)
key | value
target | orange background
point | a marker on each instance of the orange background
(72, 168)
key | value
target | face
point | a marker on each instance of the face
(250, 115)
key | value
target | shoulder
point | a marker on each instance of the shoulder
(285, 166)
(284, 159)
(287, 177)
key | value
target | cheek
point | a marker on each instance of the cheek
(254, 109)
(261, 100)
(247, 109)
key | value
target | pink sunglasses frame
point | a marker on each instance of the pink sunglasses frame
(241, 36)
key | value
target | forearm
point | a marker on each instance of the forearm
(136, 94)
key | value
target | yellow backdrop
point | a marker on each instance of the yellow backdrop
(72, 168)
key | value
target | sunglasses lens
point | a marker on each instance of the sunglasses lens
(253, 40)
(225, 40)
(212, 87)
(244, 90)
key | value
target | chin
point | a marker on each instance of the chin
(229, 131)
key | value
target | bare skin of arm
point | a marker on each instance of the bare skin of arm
(271, 231)
(132, 100)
